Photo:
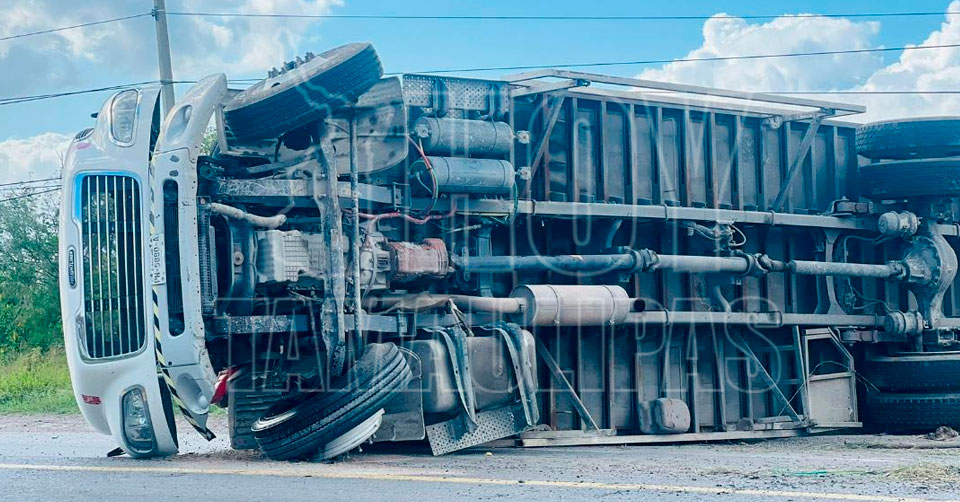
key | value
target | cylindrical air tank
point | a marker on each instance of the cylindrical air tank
(462, 137)
(462, 175)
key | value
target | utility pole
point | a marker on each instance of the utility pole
(163, 52)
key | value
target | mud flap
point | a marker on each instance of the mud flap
(472, 429)
(403, 415)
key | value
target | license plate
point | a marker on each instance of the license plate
(158, 269)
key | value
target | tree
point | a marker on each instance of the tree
(210, 140)
(29, 293)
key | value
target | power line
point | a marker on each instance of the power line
(75, 26)
(27, 182)
(37, 97)
(127, 86)
(22, 99)
(698, 60)
(30, 191)
(24, 196)
(490, 18)
(559, 18)
(26, 185)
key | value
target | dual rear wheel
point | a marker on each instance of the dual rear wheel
(913, 392)
(911, 159)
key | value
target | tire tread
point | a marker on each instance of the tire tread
(364, 389)
(916, 373)
(910, 139)
(252, 117)
(912, 412)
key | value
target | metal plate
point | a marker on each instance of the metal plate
(494, 424)
(403, 415)
(380, 128)
(462, 94)
(158, 270)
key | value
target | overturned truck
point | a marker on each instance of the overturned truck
(550, 258)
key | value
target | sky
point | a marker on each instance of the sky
(34, 135)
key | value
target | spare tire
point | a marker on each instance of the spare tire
(911, 412)
(914, 372)
(924, 138)
(296, 430)
(912, 178)
(302, 94)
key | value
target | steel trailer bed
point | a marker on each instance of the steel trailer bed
(627, 168)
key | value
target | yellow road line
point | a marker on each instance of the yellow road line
(372, 476)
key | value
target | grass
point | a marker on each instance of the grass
(36, 382)
(926, 473)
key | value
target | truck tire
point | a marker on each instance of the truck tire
(911, 412)
(255, 389)
(291, 432)
(249, 397)
(912, 178)
(244, 410)
(924, 138)
(933, 372)
(303, 94)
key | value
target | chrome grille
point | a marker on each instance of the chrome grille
(112, 265)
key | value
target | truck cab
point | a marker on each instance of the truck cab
(104, 273)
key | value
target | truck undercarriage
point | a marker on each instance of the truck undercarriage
(557, 257)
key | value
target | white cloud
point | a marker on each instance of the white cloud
(54, 61)
(76, 58)
(32, 158)
(200, 45)
(238, 45)
(920, 70)
(725, 36)
(916, 70)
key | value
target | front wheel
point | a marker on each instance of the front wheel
(289, 432)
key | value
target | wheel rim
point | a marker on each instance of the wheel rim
(352, 438)
(267, 422)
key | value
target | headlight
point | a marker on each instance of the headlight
(136, 421)
(123, 116)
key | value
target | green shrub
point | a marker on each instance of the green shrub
(36, 381)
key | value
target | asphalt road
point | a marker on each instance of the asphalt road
(60, 458)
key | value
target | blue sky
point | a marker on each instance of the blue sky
(125, 52)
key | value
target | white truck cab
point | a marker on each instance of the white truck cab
(106, 309)
(129, 363)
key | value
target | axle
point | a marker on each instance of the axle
(646, 260)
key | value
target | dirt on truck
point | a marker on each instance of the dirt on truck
(548, 258)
